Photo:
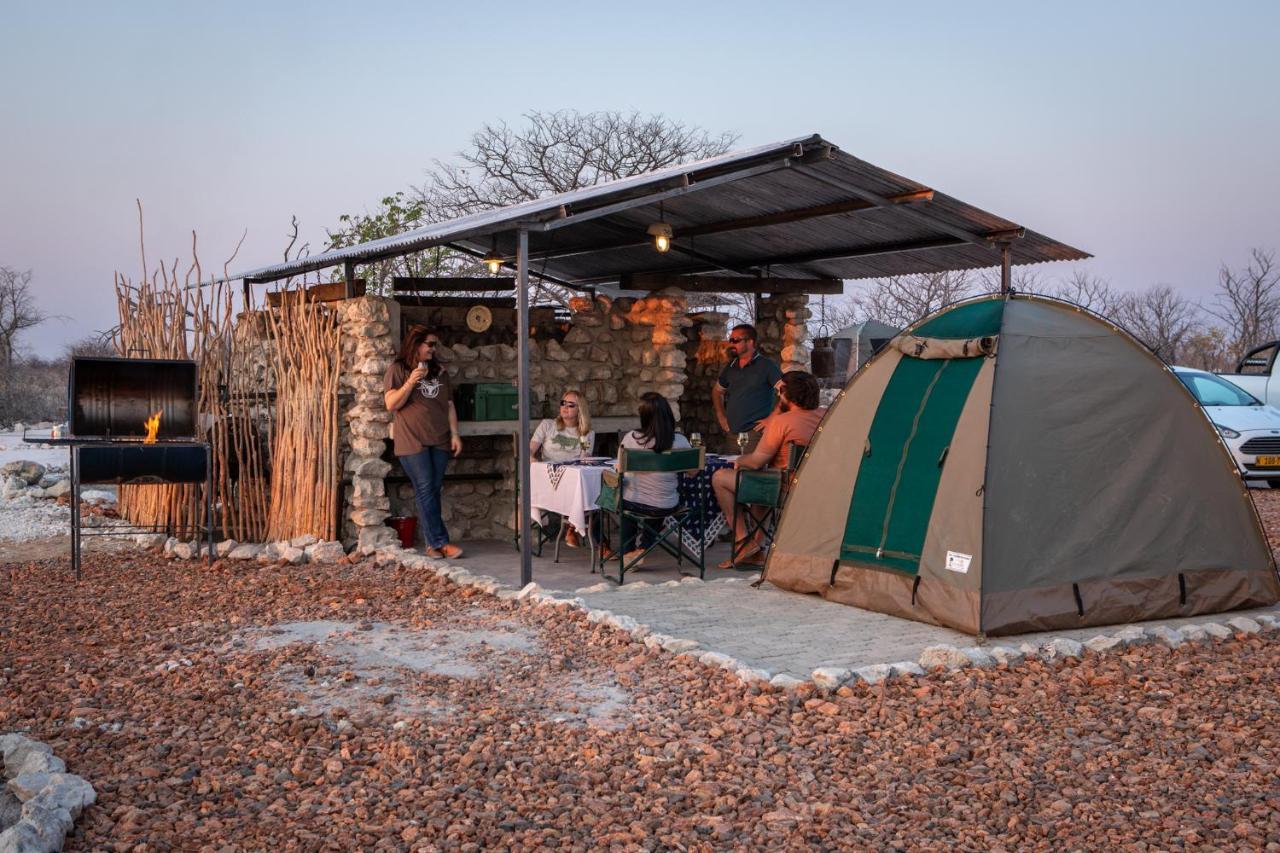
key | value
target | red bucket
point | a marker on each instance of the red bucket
(406, 527)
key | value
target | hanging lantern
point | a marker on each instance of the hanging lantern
(822, 360)
(493, 260)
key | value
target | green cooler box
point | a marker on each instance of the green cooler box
(487, 401)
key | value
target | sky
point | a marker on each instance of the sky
(1145, 134)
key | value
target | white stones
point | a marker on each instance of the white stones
(830, 677)
(1268, 621)
(51, 798)
(1061, 648)
(303, 541)
(786, 681)
(622, 622)
(874, 673)
(1132, 635)
(169, 545)
(603, 586)
(676, 645)
(1244, 625)
(978, 657)
(149, 540)
(528, 590)
(718, 659)
(325, 553)
(58, 489)
(1006, 655)
(245, 551)
(1170, 637)
(904, 668)
(225, 547)
(1102, 644)
(655, 641)
(183, 550)
(291, 555)
(943, 656)
(747, 675)
(690, 579)
(1218, 632)
(1193, 633)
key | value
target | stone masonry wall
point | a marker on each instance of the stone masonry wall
(780, 324)
(370, 336)
(706, 354)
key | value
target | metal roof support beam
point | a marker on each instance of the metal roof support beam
(731, 284)
(522, 388)
(984, 240)
(458, 247)
(763, 221)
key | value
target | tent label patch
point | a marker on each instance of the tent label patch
(957, 562)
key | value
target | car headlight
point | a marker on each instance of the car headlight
(1227, 432)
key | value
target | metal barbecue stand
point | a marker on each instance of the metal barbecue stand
(108, 400)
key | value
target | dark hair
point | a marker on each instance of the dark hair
(657, 423)
(409, 350)
(747, 328)
(802, 388)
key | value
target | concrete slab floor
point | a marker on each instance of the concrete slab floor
(766, 628)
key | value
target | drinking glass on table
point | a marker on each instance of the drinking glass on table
(584, 444)
(743, 438)
(695, 439)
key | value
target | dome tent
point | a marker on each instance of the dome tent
(1015, 463)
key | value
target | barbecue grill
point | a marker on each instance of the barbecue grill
(109, 404)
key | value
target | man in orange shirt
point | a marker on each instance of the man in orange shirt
(792, 422)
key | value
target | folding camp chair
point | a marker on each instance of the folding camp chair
(673, 523)
(763, 491)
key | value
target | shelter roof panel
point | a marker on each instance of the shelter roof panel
(801, 206)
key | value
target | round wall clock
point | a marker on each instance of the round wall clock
(479, 318)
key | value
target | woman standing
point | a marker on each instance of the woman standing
(566, 437)
(425, 425)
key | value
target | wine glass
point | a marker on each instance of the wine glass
(695, 439)
(743, 438)
(584, 443)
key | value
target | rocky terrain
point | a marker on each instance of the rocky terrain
(352, 705)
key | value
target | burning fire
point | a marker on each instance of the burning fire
(153, 426)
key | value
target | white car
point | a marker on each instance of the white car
(1250, 428)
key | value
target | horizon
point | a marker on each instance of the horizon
(1144, 140)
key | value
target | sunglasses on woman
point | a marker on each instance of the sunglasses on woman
(568, 404)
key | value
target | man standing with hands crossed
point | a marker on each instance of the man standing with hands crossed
(743, 396)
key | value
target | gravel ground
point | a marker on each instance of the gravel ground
(363, 707)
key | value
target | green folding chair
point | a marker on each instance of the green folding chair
(614, 514)
(758, 498)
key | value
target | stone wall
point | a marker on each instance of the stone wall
(782, 330)
(705, 356)
(370, 336)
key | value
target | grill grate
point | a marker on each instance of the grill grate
(1261, 445)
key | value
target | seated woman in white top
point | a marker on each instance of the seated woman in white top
(653, 493)
(563, 438)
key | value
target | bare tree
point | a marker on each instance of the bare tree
(18, 312)
(1207, 349)
(1090, 292)
(549, 153)
(900, 300)
(555, 152)
(1248, 302)
(1161, 318)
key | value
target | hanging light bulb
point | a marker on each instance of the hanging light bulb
(661, 234)
(493, 260)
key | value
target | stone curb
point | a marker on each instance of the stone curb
(934, 659)
(51, 798)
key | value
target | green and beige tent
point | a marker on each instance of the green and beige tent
(1015, 463)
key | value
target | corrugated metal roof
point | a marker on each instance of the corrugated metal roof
(598, 234)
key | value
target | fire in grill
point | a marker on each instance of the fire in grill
(133, 422)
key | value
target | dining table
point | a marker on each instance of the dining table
(571, 488)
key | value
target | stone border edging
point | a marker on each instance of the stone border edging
(938, 658)
(51, 798)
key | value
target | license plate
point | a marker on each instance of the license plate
(1268, 462)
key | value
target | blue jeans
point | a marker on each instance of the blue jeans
(426, 471)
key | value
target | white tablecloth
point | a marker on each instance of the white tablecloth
(570, 490)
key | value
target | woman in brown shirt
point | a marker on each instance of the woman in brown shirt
(425, 423)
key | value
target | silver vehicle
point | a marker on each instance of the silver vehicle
(1250, 428)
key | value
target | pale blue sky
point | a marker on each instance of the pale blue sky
(1144, 133)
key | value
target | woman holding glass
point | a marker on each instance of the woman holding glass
(425, 426)
(565, 437)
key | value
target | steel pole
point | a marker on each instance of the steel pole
(522, 382)
(1005, 273)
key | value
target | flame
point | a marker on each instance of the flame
(153, 426)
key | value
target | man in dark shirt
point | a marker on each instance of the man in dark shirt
(743, 397)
